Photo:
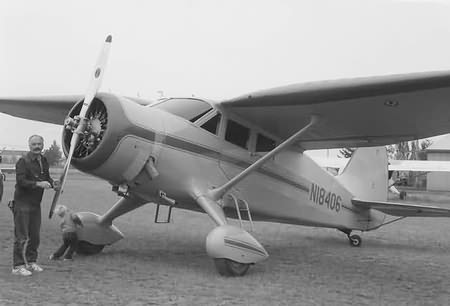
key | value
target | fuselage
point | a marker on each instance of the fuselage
(194, 153)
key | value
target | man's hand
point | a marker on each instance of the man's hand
(56, 185)
(44, 185)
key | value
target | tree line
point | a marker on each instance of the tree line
(53, 154)
(405, 150)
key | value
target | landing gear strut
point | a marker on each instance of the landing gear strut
(355, 240)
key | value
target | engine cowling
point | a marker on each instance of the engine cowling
(110, 120)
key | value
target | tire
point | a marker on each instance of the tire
(86, 248)
(228, 267)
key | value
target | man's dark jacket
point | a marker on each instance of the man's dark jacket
(28, 172)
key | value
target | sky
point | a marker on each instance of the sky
(211, 49)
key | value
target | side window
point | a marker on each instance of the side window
(199, 115)
(237, 134)
(264, 144)
(212, 125)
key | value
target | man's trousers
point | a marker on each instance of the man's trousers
(27, 227)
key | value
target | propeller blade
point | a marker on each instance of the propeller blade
(97, 76)
(63, 176)
(94, 85)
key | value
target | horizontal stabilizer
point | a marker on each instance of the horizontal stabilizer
(403, 210)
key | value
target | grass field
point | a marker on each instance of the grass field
(405, 263)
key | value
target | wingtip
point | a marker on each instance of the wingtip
(108, 39)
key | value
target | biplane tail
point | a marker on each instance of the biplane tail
(365, 175)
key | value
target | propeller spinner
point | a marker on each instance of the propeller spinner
(80, 122)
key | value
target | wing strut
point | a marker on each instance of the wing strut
(218, 192)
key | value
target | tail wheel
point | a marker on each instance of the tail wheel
(355, 240)
(228, 267)
(86, 248)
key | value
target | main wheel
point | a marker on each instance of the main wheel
(86, 248)
(228, 267)
(355, 240)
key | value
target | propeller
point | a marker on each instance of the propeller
(94, 85)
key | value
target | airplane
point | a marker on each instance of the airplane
(244, 158)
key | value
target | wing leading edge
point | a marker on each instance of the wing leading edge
(403, 210)
(354, 112)
(51, 109)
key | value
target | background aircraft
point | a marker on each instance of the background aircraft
(243, 157)
(393, 165)
(5, 168)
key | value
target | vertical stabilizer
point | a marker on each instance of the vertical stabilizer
(366, 174)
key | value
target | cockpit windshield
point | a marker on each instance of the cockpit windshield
(190, 109)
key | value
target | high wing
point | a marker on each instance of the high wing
(353, 112)
(403, 210)
(50, 109)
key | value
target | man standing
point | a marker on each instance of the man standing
(32, 177)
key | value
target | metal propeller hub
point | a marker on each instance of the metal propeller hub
(95, 124)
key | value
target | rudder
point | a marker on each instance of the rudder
(366, 175)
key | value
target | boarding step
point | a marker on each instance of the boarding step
(171, 203)
(241, 206)
(169, 214)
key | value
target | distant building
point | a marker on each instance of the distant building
(11, 156)
(440, 151)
